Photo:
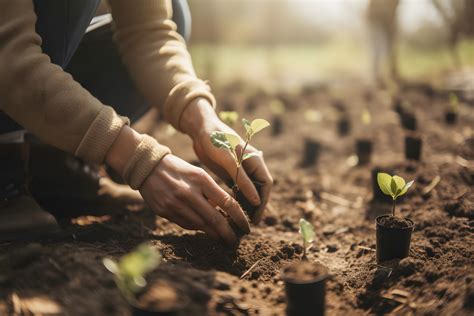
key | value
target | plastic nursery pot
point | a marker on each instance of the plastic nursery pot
(408, 121)
(312, 149)
(305, 287)
(160, 300)
(364, 151)
(450, 117)
(343, 126)
(393, 236)
(277, 125)
(413, 145)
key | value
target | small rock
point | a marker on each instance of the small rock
(270, 220)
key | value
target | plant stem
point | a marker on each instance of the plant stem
(235, 188)
(393, 208)
(304, 250)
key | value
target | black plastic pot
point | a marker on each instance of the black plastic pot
(305, 297)
(450, 117)
(364, 151)
(408, 121)
(277, 125)
(413, 145)
(392, 242)
(312, 150)
(343, 126)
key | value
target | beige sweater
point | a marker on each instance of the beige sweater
(50, 104)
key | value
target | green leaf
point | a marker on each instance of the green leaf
(229, 117)
(399, 184)
(246, 125)
(406, 187)
(306, 231)
(219, 140)
(110, 265)
(233, 140)
(139, 262)
(384, 180)
(250, 155)
(257, 125)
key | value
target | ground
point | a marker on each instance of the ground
(65, 274)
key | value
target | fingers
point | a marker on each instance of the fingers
(218, 197)
(244, 183)
(214, 219)
(258, 171)
(187, 218)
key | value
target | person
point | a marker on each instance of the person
(79, 93)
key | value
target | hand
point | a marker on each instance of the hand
(188, 196)
(199, 121)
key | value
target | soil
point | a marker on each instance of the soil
(64, 274)
(303, 272)
(161, 297)
(394, 222)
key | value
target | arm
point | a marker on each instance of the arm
(42, 97)
(156, 56)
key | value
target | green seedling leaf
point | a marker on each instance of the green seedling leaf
(384, 180)
(233, 140)
(131, 269)
(250, 155)
(219, 140)
(229, 117)
(257, 125)
(306, 231)
(110, 265)
(246, 125)
(406, 187)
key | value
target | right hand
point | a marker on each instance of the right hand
(188, 196)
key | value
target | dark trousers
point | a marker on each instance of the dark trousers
(91, 58)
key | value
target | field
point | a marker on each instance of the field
(65, 274)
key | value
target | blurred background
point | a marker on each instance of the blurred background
(286, 43)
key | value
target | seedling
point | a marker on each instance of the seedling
(230, 142)
(393, 186)
(307, 233)
(229, 117)
(130, 271)
(366, 117)
(454, 102)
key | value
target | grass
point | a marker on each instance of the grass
(299, 63)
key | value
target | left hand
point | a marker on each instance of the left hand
(198, 121)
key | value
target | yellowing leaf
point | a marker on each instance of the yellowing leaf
(257, 125)
(233, 140)
(406, 187)
(384, 180)
(399, 181)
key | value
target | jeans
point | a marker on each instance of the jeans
(91, 58)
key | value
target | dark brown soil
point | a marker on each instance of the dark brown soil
(394, 222)
(303, 272)
(64, 275)
(160, 297)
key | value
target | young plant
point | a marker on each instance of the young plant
(230, 142)
(366, 117)
(454, 102)
(229, 117)
(130, 271)
(393, 186)
(307, 233)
